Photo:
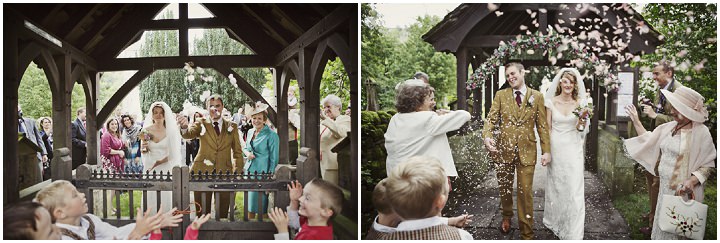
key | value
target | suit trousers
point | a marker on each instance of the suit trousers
(224, 202)
(505, 176)
(653, 186)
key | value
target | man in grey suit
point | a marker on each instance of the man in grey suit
(29, 127)
(79, 151)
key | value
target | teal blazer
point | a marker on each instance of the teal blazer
(266, 148)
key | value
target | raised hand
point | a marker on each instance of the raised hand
(295, 189)
(182, 122)
(199, 221)
(632, 112)
(280, 219)
(490, 145)
(145, 223)
(169, 219)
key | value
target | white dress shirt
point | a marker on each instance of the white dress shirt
(103, 230)
(523, 91)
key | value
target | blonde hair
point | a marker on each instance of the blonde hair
(332, 195)
(52, 196)
(414, 185)
(379, 198)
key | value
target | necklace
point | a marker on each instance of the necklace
(678, 127)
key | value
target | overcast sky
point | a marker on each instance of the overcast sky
(401, 15)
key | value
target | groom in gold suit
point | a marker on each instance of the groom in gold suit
(219, 145)
(515, 112)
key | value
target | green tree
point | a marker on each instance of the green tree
(387, 61)
(171, 86)
(36, 100)
(335, 80)
(690, 35)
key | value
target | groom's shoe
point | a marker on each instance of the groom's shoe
(505, 226)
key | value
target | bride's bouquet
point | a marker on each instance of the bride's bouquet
(584, 112)
(145, 136)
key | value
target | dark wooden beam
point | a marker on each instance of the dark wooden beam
(50, 15)
(84, 14)
(309, 104)
(91, 37)
(244, 29)
(462, 74)
(245, 86)
(282, 112)
(11, 82)
(120, 94)
(300, 14)
(450, 40)
(272, 28)
(325, 27)
(487, 41)
(285, 20)
(245, 61)
(532, 6)
(24, 33)
(173, 24)
(129, 30)
(183, 30)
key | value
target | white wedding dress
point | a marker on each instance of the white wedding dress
(167, 147)
(565, 189)
(157, 151)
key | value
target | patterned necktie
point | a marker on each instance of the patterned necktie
(217, 128)
(518, 100)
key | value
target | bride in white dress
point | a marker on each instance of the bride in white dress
(162, 151)
(565, 189)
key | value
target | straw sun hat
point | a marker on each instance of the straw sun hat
(688, 102)
(259, 107)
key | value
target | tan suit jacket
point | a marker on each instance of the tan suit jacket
(218, 149)
(515, 126)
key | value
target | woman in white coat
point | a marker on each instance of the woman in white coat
(418, 130)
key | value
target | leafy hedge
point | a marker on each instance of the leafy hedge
(374, 124)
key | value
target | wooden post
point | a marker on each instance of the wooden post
(462, 69)
(281, 121)
(83, 174)
(310, 104)
(354, 90)
(11, 82)
(61, 165)
(92, 136)
(180, 175)
(477, 113)
(307, 165)
(183, 30)
(591, 162)
(282, 197)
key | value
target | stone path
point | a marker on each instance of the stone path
(602, 220)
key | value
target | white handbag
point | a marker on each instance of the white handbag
(683, 218)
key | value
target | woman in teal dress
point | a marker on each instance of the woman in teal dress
(262, 151)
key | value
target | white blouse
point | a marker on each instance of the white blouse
(422, 133)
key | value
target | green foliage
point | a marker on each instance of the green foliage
(373, 127)
(387, 60)
(171, 86)
(36, 100)
(335, 80)
(689, 28)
